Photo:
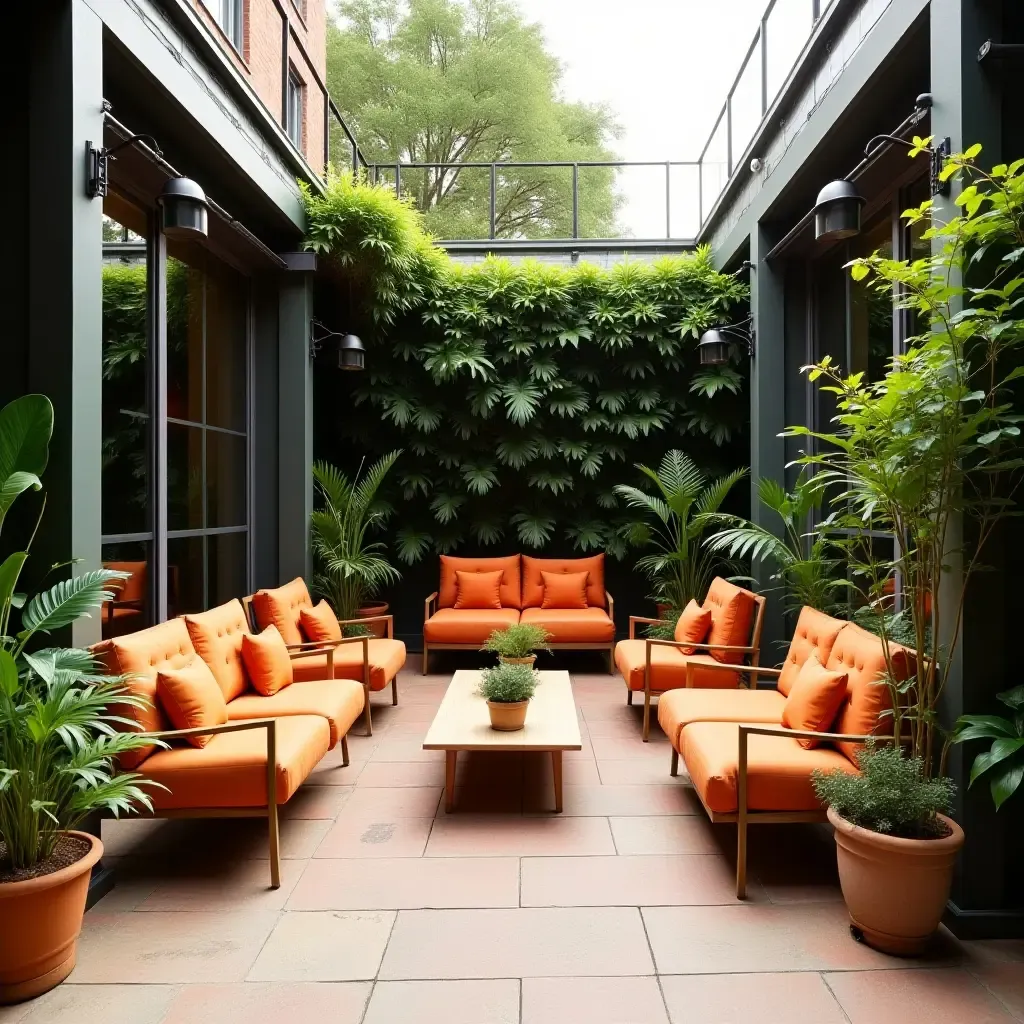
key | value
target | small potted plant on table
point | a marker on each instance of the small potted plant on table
(507, 690)
(516, 644)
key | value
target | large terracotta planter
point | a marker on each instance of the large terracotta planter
(368, 611)
(530, 659)
(42, 918)
(895, 889)
(508, 717)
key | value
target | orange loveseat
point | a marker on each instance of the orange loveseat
(257, 759)
(588, 627)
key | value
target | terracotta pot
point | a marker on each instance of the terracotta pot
(378, 629)
(895, 889)
(530, 659)
(663, 610)
(42, 918)
(508, 717)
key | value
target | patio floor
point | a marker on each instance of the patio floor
(619, 911)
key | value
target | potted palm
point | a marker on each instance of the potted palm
(507, 690)
(351, 568)
(58, 741)
(516, 644)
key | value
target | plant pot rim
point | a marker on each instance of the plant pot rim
(938, 847)
(509, 703)
(372, 607)
(10, 890)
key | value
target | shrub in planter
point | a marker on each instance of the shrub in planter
(507, 690)
(515, 644)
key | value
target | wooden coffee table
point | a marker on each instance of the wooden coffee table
(462, 722)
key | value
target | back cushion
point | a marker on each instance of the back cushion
(280, 607)
(142, 655)
(319, 623)
(447, 592)
(732, 613)
(533, 581)
(217, 638)
(478, 589)
(815, 633)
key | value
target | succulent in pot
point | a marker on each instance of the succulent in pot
(516, 644)
(895, 847)
(507, 690)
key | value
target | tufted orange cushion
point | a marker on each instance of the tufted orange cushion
(319, 622)
(217, 637)
(478, 589)
(732, 613)
(815, 633)
(281, 606)
(814, 700)
(267, 662)
(692, 626)
(565, 589)
(533, 581)
(192, 698)
(447, 592)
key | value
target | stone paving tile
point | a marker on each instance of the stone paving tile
(444, 1002)
(270, 1003)
(72, 1003)
(316, 802)
(324, 946)
(375, 836)
(686, 833)
(642, 771)
(592, 942)
(464, 835)
(242, 885)
(399, 802)
(1005, 982)
(616, 800)
(594, 1000)
(389, 774)
(405, 748)
(633, 748)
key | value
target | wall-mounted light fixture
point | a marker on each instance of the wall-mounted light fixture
(837, 211)
(351, 350)
(96, 162)
(715, 344)
(184, 207)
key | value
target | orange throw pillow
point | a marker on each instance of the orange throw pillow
(192, 699)
(693, 626)
(267, 662)
(565, 589)
(319, 623)
(478, 589)
(815, 699)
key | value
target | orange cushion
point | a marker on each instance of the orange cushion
(668, 667)
(732, 612)
(814, 701)
(680, 708)
(319, 622)
(267, 661)
(466, 625)
(231, 771)
(281, 606)
(217, 637)
(386, 657)
(340, 701)
(533, 581)
(192, 698)
(565, 590)
(447, 592)
(693, 626)
(573, 625)
(815, 632)
(778, 768)
(478, 589)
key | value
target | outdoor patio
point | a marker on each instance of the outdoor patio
(622, 909)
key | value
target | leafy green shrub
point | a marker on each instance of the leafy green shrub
(1003, 763)
(519, 640)
(665, 629)
(508, 684)
(892, 794)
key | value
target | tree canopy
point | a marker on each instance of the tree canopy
(444, 81)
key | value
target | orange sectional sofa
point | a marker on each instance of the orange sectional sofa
(521, 597)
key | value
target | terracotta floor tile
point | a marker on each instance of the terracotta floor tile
(406, 713)
(790, 998)
(127, 836)
(618, 800)
(680, 834)
(615, 710)
(915, 997)
(316, 801)
(594, 1000)
(641, 771)
(601, 941)
(270, 1003)
(625, 748)
(482, 798)
(325, 946)
(376, 836)
(456, 835)
(161, 948)
(400, 802)
(335, 776)
(996, 951)
(71, 1003)
(241, 885)
(444, 1002)
(1006, 982)
(405, 748)
(407, 884)
(389, 774)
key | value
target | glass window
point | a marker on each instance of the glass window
(228, 15)
(871, 311)
(296, 102)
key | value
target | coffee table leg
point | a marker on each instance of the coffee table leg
(556, 766)
(449, 779)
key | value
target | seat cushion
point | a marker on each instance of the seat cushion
(815, 631)
(680, 708)
(280, 606)
(267, 661)
(340, 701)
(668, 667)
(466, 625)
(533, 581)
(231, 771)
(573, 625)
(319, 622)
(692, 626)
(565, 590)
(192, 699)
(217, 637)
(450, 565)
(386, 660)
(778, 768)
(478, 589)
(815, 699)
(732, 613)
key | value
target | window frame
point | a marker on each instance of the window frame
(229, 16)
(295, 115)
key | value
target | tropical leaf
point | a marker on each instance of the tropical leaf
(69, 600)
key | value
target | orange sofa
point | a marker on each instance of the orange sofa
(373, 661)
(447, 627)
(255, 761)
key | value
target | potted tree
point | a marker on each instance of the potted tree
(507, 690)
(516, 644)
(58, 741)
(351, 568)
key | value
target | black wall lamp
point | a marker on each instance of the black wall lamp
(351, 350)
(837, 211)
(184, 207)
(715, 344)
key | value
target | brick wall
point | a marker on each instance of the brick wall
(260, 60)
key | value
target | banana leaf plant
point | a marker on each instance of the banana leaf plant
(59, 736)
(1003, 763)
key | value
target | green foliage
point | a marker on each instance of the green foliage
(508, 684)
(893, 794)
(519, 640)
(58, 738)
(1003, 763)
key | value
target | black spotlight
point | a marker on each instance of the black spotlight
(184, 208)
(351, 353)
(837, 211)
(714, 348)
